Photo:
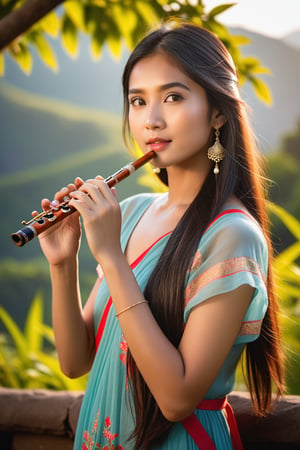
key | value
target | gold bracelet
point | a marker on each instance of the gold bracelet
(131, 306)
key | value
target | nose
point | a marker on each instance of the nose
(154, 120)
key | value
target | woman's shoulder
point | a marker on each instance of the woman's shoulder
(236, 226)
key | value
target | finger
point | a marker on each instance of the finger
(114, 191)
(102, 188)
(78, 182)
(71, 187)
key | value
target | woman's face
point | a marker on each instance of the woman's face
(169, 113)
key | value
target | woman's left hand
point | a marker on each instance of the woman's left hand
(101, 214)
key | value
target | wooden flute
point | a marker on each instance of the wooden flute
(46, 219)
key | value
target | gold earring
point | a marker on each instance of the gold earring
(156, 170)
(216, 152)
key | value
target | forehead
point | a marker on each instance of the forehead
(157, 68)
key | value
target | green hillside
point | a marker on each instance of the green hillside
(49, 144)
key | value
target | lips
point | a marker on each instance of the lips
(157, 144)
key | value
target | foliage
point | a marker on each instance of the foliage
(23, 361)
(284, 170)
(118, 22)
(287, 273)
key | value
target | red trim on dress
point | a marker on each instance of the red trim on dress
(109, 302)
(228, 211)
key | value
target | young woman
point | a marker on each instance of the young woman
(184, 278)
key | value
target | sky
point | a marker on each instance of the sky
(275, 18)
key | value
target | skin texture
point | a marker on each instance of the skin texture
(169, 113)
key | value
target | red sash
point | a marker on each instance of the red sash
(198, 433)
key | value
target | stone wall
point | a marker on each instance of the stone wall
(46, 420)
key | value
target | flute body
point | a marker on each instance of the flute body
(48, 218)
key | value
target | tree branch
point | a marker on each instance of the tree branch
(21, 19)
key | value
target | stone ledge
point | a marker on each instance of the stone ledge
(44, 420)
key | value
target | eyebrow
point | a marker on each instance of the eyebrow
(162, 88)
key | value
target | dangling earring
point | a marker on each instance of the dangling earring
(156, 170)
(216, 152)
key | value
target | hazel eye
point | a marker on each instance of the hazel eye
(173, 98)
(136, 101)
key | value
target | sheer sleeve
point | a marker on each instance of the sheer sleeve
(232, 252)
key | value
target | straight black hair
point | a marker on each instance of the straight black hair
(204, 59)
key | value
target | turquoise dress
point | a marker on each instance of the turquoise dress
(231, 252)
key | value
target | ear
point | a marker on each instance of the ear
(218, 119)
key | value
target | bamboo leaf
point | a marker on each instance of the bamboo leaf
(34, 320)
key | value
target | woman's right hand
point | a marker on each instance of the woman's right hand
(61, 241)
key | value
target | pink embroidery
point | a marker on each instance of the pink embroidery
(221, 270)
(197, 261)
(251, 327)
(89, 443)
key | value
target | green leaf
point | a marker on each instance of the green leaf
(287, 256)
(114, 45)
(33, 321)
(46, 332)
(147, 12)
(50, 24)
(124, 18)
(220, 9)
(292, 224)
(239, 39)
(261, 90)
(97, 42)
(20, 53)
(44, 50)
(69, 36)
(16, 335)
(2, 64)
(75, 10)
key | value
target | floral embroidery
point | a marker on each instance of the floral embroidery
(89, 443)
(251, 327)
(221, 270)
(123, 348)
(89, 438)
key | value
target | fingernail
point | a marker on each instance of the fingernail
(55, 202)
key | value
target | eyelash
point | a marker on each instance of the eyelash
(176, 98)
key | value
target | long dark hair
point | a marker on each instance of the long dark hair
(206, 61)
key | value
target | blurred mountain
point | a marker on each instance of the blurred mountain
(293, 39)
(97, 84)
(270, 123)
